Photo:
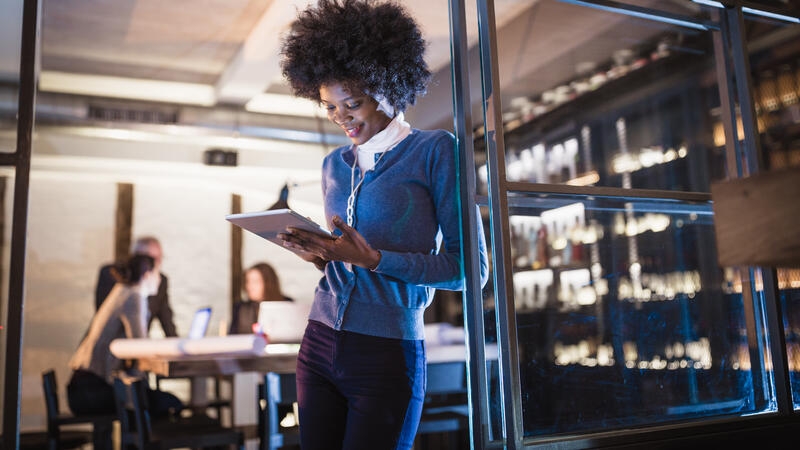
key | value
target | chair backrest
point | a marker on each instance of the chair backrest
(278, 389)
(58, 438)
(50, 389)
(447, 378)
(446, 407)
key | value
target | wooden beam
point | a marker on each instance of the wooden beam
(755, 219)
(124, 221)
(236, 252)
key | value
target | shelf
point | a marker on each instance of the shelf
(652, 79)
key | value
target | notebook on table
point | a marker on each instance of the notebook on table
(283, 322)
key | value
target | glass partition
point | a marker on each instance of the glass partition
(774, 59)
(624, 317)
(597, 98)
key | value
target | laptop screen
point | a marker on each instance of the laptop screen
(200, 323)
(283, 322)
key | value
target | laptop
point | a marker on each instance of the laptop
(283, 322)
(200, 323)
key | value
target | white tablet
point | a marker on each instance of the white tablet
(268, 224)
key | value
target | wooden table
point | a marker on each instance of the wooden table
(278, 358)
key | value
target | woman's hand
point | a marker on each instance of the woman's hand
(297, 240)
(350, 247)
(314, 259)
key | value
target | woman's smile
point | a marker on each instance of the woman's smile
(355, 112)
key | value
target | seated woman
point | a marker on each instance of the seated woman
(123, 314)
(261, 284)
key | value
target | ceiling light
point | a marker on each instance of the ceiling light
(284, 105)
(128, 88)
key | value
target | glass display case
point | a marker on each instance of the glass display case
(637, 112)
(624, 317)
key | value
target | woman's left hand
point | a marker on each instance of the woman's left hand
(350, 247)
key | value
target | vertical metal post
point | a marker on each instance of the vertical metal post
(741, 68)
(16, 286)
(472, 296)
(727, 101)
(498, 208)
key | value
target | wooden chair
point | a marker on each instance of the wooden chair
(276, 393)
(446, 408)
(140, 432)
(99, 436)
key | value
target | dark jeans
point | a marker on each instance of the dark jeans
(358, 392)
(88, 393)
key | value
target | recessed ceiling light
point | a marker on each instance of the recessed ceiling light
(128, 88)
(284, 105)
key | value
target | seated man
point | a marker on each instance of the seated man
(159, 303)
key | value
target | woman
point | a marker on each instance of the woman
(123, 314)
(261, 284)
(392, 200)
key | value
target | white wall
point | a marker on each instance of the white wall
(71, 231)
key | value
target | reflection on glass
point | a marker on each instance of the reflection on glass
(10, 35)
(775, 65)
(624, 317)
(572, 90)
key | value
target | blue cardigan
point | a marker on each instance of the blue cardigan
(406, 207)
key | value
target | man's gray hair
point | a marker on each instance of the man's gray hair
(141, 244)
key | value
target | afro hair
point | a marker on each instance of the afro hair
(373, 47)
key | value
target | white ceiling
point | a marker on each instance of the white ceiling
(225, 52)
(205, 52)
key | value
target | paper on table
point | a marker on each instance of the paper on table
(248, 344)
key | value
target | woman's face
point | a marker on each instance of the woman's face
(357, 113)
(254, 285)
